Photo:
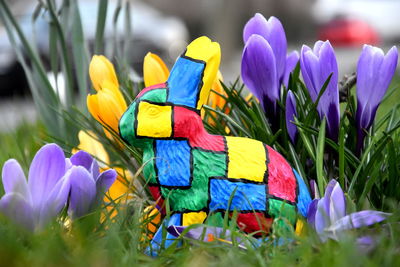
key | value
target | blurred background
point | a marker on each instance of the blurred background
(165, 27)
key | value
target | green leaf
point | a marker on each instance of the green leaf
(100, 26)
(320, 158)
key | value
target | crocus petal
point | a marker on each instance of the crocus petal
(154, 70)
(272, 31)
(89, 143)
(310, 70)
(374, 74)
(277, 40)
(110, 111)
(290, 114)
(68, 164)
(95, 170)
(215, 100)
(117, 94)
(316, 67)
(366, 243)
(367, 70)
(358, 219)
(256, 25)
(329, 67)
(18, 209)
(327, 197)
(14, 180)
(100, 70)
(47, 168)
(291, 61)
(317, 47)
(56, 201)
(104, 182)
(312, 210)
(314, 189)
(259, 69)
(337, 204)
(321, 218)
(83, 192)
(82, 158)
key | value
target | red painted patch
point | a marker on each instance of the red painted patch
(156, 86)
(188, 124)
(156, 193)
(214, 143)
(281, 181)
(252, 222)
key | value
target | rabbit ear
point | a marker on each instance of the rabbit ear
(193, 73)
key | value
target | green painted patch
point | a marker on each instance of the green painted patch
(155, 95)
(126, 125)
(127, 121)
(283, 211)
(205, 165)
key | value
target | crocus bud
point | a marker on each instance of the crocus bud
(154, 70)
(316, 66)
(374, 74)
(100, 70)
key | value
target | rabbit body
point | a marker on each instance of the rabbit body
(202, 174)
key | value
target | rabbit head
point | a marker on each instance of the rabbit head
(171, 110)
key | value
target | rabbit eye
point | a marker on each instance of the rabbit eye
(153, 111)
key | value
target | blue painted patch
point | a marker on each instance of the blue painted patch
(173, 162)
(157, 242)
(304, 198)
(247, 196)
(184, 82)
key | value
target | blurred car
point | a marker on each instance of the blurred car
(151, 31)
(355, 22)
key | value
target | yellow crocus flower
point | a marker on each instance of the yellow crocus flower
(108, 105)
(154, 70)
(215, 100)
(100, 70)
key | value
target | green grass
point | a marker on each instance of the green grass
(120, 243)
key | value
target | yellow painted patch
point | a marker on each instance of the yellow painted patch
(193, 218)
(299, 227)
(154, 120)
(203, 49)
(247, 159)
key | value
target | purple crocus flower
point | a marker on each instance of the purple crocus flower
(375, 71)
(265, 65)
(328, 214)
(259, 73)
(290, 114)
(272, 31)
(316, 66)
(52, 178)
(88, 185)
(34, 203)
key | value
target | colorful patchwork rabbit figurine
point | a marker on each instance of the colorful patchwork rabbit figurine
(199, 172)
